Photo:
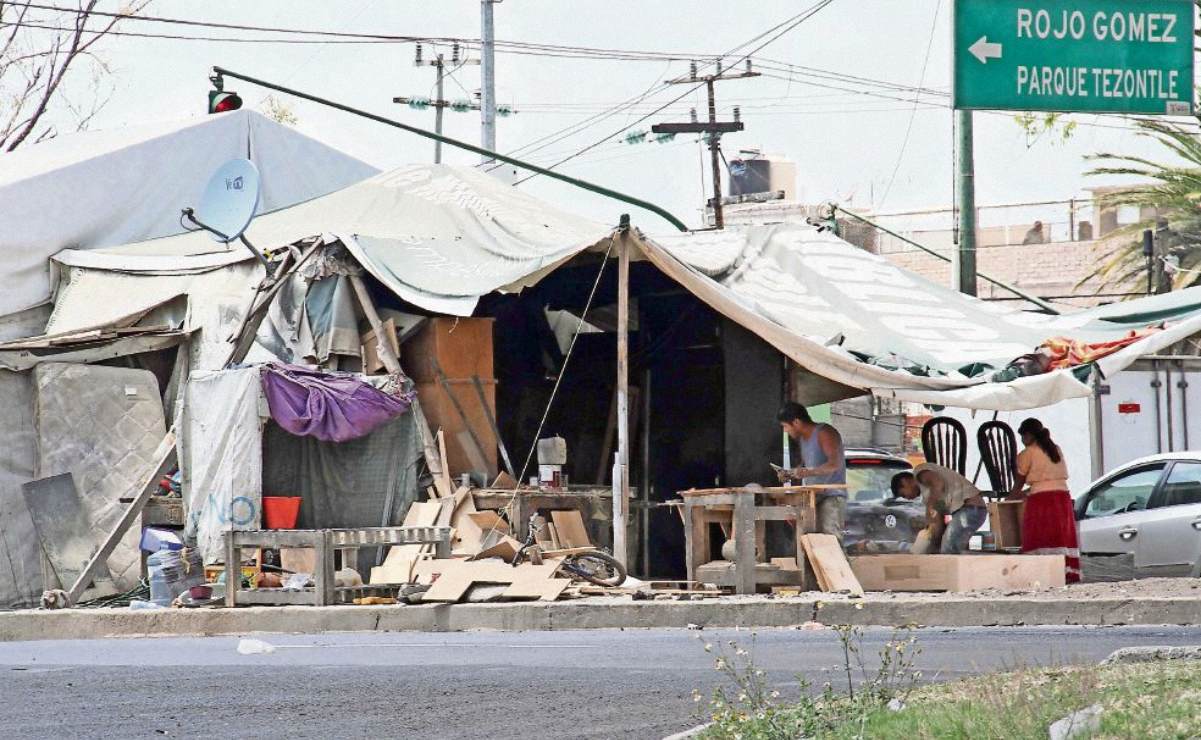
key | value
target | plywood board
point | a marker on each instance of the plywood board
(570, 529)
(398, 565)
(904, 572)
(543, 590)
(830, 564)
(455, 577)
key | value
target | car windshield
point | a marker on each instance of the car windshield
(868, 483)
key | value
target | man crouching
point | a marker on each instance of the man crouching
(944, 492)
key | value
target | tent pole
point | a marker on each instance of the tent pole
(621, 465)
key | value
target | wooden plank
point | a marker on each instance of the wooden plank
(807, 545)
(445, 469)
(166, 460)
(570, 529)
(830, 564)
(369, 342)
(904, 572)
(433, 459)
(554, 536)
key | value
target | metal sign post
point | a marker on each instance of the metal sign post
(1079, 56)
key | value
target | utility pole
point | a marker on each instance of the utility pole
(712, 128)
(965, 183)
(439, 103)
(487, 77)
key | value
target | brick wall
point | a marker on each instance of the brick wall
(1040, 269)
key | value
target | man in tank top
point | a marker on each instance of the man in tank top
(822, 462)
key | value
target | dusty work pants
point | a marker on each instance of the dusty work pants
(831, 513)
(962, 526)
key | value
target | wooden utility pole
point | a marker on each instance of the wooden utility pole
(621, 463)
(439, 104)
(712, 128)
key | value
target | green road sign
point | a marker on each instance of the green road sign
(1086, 56)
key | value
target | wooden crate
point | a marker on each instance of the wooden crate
(957, 572)
(463, 347)
(441, 413)
(1005, 520)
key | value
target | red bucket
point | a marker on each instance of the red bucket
(280, 512)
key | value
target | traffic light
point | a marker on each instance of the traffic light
(220, 99)
(223, 101)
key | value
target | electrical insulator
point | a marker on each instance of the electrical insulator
(417, 60)
(692, 114)
(454, 53)
(692, 70)
(737, 113)
(748, 65)
(719, 68)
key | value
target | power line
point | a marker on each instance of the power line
(788, 25)
(921, 80)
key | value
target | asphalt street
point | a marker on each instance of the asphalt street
(593, 684)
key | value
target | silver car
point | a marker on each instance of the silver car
(1149, 508)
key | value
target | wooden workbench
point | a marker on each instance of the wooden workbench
(525, 501)
(745, 513)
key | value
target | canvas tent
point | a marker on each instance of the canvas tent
(447, 240)
(441, 237)
(107, 188)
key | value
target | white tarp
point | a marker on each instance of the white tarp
(441, 237)
(222, 452)
(107, 188)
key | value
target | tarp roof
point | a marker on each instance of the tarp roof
(441, 237)
(106, 188)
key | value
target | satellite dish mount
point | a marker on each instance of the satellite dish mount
(228, 205)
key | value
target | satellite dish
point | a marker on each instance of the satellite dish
(230, 200)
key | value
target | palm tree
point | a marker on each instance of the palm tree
(1174, 192)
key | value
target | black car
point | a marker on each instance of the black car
(876, 521)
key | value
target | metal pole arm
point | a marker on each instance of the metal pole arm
(589, 186)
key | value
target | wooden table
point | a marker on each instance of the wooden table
(325, 542)
(746, 512)
(526, 501)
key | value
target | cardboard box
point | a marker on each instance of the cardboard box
(957, 572)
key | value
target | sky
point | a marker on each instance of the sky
(847, 147)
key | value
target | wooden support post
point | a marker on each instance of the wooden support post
(621, 480)
(166, 460)
(744, 543)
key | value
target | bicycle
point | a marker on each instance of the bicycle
(589, 564)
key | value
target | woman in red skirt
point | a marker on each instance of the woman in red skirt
(1049, 520)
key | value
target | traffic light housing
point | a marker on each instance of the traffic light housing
(223, 101)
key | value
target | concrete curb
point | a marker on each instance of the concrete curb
(596, 614)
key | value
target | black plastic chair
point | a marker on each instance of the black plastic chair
(944, 441)
(998, 451)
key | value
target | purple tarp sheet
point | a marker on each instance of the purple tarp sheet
(334, 407)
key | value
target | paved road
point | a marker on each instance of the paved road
(595, 684)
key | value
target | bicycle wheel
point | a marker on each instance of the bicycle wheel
(599, 568)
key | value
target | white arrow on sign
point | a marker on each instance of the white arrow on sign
(984, 51)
